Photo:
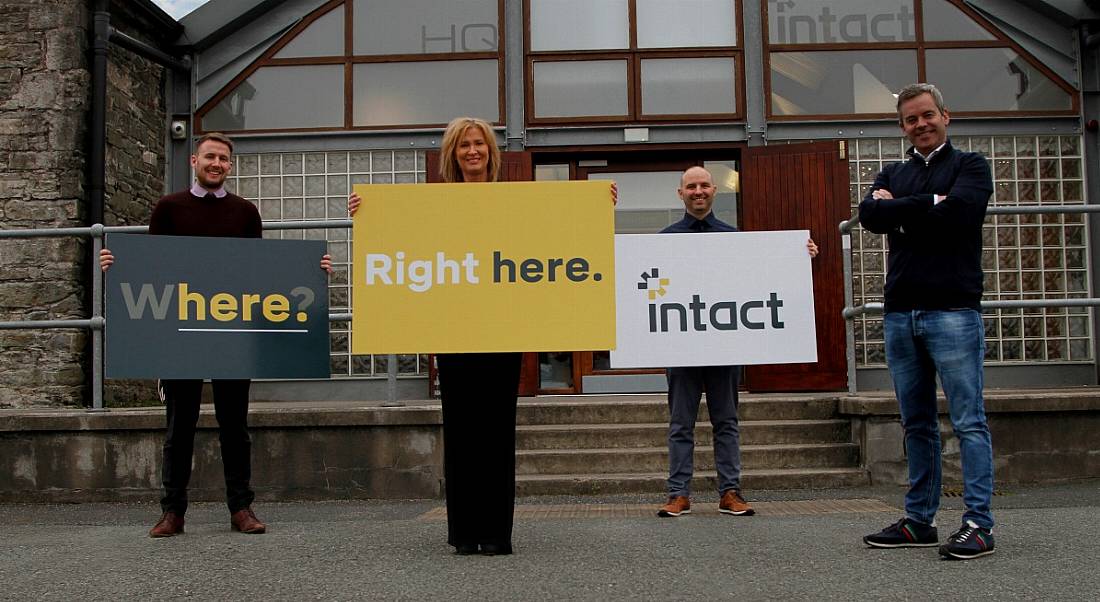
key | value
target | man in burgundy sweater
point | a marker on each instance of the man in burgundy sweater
(206, 209)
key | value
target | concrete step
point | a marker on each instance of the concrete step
(706, 481)
(634, 410)
(655, 459)
(754, 432)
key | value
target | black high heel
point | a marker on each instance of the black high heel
(466, 549)
(496, 549)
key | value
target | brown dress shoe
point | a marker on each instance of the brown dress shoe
(677, 505)
(169, 524)
(245, 521)
(733, 503)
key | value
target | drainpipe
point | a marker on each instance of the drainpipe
(97, 164)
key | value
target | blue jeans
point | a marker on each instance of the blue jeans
(919, 345)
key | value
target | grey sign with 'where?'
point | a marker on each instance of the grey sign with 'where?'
(202, 307)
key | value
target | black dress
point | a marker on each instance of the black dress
(478, 393)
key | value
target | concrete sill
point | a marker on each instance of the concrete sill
(1082, 399)
(68, 419)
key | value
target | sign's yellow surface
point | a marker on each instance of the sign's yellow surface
(472, 267)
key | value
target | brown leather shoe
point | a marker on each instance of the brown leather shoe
(169, 524)
(677, 505)
(245, 521)
(733, 503)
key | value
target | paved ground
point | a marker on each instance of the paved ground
(801, 545)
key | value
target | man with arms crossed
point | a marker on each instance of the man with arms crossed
(686, 384)
(932, 208)
(206, 209)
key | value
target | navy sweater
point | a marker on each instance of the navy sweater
(935, 260)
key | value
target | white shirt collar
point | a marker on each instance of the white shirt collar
(931, 154)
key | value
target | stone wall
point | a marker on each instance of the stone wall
(136, 126)
(44, 97)
(136, 141)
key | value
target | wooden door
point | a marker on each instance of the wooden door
(515, 166)
(795, 187)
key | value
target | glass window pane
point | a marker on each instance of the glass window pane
(839, 82)
(580, 88)
(727, 182)
(840, 21)
(424, 93)
(664, 24)
(992, 79)
(274, 97)
(551, 173)
(688, 86)
(424, 26)
(647, 200)
(323, 37)
(944, 21)
(644, 190)
(579, 25)
(556, 370)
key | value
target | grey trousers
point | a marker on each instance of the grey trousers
(685, 389)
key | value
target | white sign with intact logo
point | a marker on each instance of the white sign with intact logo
(713, 299)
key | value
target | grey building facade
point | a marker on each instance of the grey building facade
(320, 96)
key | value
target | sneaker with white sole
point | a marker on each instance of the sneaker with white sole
(733, 503)
(677, 505)
(970, 541)
(906, 533)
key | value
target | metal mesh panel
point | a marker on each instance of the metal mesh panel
(305, 186)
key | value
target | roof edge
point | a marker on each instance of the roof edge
(218, 19)
(157, 15)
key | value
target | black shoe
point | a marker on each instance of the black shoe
(905, 533)
(496, 549)
(465, 549)
(970, 541)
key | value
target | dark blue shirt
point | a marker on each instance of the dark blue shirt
(690, 224)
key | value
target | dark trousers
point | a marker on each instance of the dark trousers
(685, 389)
(181, 399)
(478, 392)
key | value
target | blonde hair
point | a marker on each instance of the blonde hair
(456, 129)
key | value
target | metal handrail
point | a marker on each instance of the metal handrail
(852, 311)
(96, 323)
(847, 225)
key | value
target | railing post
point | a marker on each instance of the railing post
(849, 300)
(97, 320)
(391, 382)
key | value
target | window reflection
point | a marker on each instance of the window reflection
(840, 21)
(839, 82)
(579, 25)
(993, 79)
(944, 21)
(710, 81)
(274, 97)
(688, 23)
(578, 88)
(556, 370)
(424, 26)
(323, 37)
(410, 93)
